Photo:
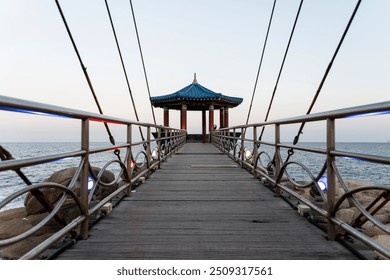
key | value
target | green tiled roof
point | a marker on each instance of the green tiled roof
(195, 92)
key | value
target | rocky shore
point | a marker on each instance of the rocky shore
(349, 213)
(18, 220)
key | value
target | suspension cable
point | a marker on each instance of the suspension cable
(112, 140)
(143, 62)
(296, 138)
(123, 67)
(122, 62)
(281, 68)
(261, 61)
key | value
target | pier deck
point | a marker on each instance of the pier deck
(201, 205)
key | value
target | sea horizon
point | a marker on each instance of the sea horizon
(120, 142)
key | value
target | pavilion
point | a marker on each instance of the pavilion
(195, 97)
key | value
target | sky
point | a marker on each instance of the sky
(220, 40)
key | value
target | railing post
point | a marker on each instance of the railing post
(277, 158)
(164, 134)
(242, 146)
(174, 142)
(178, 133)
(222, 136)
(331, 193)
(234, 142)
(130, 163)
(254, 157)
(177, 137)
(219, 139)
(84, 178)
(175, 134)
(222, 133)
(172, 139)
(159, 147)
(228, 141)
(149, 159)
(222, 139)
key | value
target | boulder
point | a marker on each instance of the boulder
(11, 214)
(16, 221)
(64, 177)
(17, 250)
(384, 240)
(370, 230)
(346, 215)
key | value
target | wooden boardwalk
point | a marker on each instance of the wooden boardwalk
(201, 205)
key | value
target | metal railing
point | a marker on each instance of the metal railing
(250, 153)
(153, 150)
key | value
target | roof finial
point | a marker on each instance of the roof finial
(195, 81)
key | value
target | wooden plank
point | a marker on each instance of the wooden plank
(196, 207)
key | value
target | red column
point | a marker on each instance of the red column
(226, 117)
(166, 116)
(183, 117)
(204, 126)
(211, 118)
(221, 116)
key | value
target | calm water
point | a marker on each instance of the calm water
(351, 169)
(10, 181)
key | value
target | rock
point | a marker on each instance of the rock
(17, 250)
(356, 211)
(12, 214)
(12, 222)
(370, 230)
(339, 192)
(64, 177)
(384, 240)
(16, 221)
(364, 197)
(21, 222)
(346, 215)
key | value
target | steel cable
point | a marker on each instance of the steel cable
(142, 59)
(281, 67)
(261, 61)
(112, 140)
(296, 138)
(123, 67)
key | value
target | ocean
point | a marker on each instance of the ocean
(11, 182)
(351, 169)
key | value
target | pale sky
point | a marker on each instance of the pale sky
(220, 40)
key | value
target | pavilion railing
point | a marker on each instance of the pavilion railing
(153, 152)
(268, 165)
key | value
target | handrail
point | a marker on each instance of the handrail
(368, 110)
(168, 142)
(24, 106)
(274, 172)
